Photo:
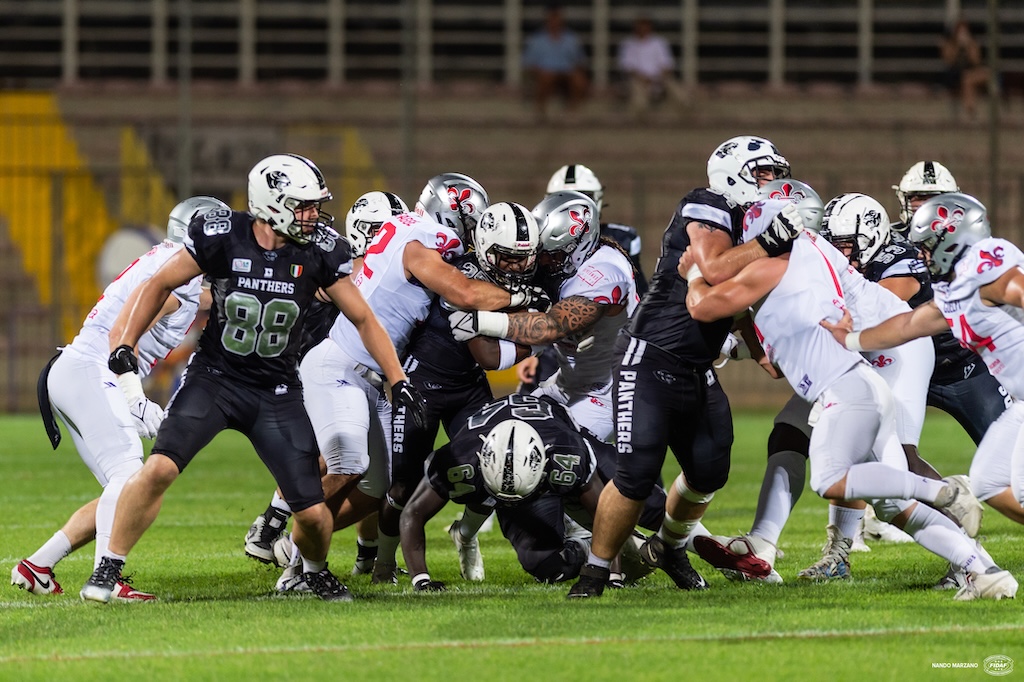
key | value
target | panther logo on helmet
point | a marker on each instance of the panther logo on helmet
(580, 222)
(872, 218)
(946, 220)
(724, 150)
(278, 180)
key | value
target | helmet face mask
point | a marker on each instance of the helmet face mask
(923, 180)
(507, 240)
(857, 225)
(576, 177)
(513, 461)
(739, 165)
(185, 212)
(454, 200)
(367, 214)
(569, 233)
(808, 203)
(945, 227)
(286, 191)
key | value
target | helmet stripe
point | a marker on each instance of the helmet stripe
(570, 174)
(508, 480)
(396, 204)
(929, 173)
(522, 227)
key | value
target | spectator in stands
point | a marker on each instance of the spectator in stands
(555, 59)
(964, 68)
(647, 61)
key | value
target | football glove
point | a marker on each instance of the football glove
(467, 324)
(404, 395)
(531, 297)
(778, 238)
(147, 416)
(123, 360)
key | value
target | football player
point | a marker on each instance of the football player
(922, 181)
(105, 427)
(266, 267)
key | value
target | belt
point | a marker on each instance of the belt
(45, 409)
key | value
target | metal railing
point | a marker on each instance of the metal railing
(45, 42)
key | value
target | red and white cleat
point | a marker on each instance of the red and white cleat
(35, 579)
(123, 591)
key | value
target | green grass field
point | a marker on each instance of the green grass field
(218, 617)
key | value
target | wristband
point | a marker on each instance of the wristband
(420, 578)
(693, 273)
(492, 324)
(507, 352)
(131, 385)
(853, 342)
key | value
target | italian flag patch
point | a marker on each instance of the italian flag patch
(296, 270)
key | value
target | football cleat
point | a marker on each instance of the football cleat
(960, 502)
(263, 533)
(35, 579)
(365, 556)
(633, 567)
(471, 562)
(674, 562)
(292, 580)
(835, 559)
(996, 585)
(384, 573)
(123, 591)
(591, 583)
(749, 555)
(326, 586)
(103, 581)
(955, 579)
(875, 529)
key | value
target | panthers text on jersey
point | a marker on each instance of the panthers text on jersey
(662, 318)
(454, 470)
(260, 297)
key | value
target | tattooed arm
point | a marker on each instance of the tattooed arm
(569, 316)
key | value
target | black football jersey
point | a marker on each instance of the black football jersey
(662, 318)
(260, 297)
(454, 469)
(432, 343)
(319, 320)
(903, 259)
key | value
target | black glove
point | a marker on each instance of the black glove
(428, 585)
(404, 394)
(784, 228)
(123, 360)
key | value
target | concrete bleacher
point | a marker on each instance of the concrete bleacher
(837, 138)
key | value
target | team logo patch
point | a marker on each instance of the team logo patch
(459, 200)
(882, 361)
(990, 260)
(241, 265)
(296, 270)
(268, 272)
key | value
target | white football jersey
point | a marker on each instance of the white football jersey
(996, 333)
(606, 277)
(398, 303)
(788, 320)
(94, 338)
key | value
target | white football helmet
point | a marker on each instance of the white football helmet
(578, 178)
(507, 240)
(732, 167)
(455, 200)
(924, 178)
(569, 232)
(512, 460)
(946, 226)
(183, 214)
(367, 215)
(281, 183)
(859, 222)
(808, 203)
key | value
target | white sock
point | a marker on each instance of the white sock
(674, 532)
(387, 548)
(312, 566)
(105, 517)
(784, 479)
(846, 519)
(598, 561)
(936, 533)
(277, 502)
(874, 480)
(697, 531)
(52, 551)
(363, 542)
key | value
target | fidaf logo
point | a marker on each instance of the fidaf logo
(459, 200)
(882, 361)
(990, 260)
(580, 222)
(947, 220)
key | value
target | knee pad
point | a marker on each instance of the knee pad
(690, 495)
(787, 437)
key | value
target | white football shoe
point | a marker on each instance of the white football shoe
(997, 585)
(471, 562)
(35, 579)
(877, 530)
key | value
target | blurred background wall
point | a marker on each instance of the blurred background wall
(111, 111)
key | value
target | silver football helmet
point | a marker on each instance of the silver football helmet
(923, 179)
(186, 211)
(578, 178)
(507, 240)
(455, 200)
(281, 184)
(367, 215)
(569, 232)
(946, 226)
(858, 222)
(808, 203)
(733, 166)
(512, 460)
